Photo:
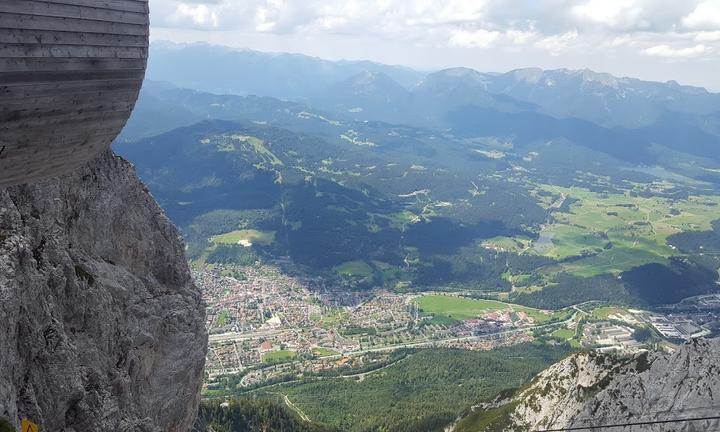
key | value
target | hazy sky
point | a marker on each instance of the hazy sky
(650, 39)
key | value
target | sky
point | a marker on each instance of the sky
(650, 39)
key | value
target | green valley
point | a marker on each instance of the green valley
(380, 258)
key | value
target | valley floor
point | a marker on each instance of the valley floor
(272, 334)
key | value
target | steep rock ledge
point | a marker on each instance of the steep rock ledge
(102, 328)
(681, 385)
(595, 390)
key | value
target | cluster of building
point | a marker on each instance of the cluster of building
(610, 336)
(675, 324)
(491, 322)
(485, 344)
(258, 314)
(265, 325)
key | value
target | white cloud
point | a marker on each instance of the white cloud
(609, 12)
(459, 10)
(473, 39)
(426, 19)
(713, 36)
(519, 37)
(670, 52)
(264, 21)
(706, 16)
(558, 43)
(332, 22)
(619, 41)
(198, 15)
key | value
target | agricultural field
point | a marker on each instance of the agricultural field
(564, 333)
(617, 231)
(324, 352)
(247, 238)
(280, 356)
(606, 311)
(460, 308)
(518, 244)
(354, 268)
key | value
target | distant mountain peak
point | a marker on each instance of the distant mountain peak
(367, 76)
(459, 76)
(370, 82)
(461, 73)
(603, 78)
(529, 75)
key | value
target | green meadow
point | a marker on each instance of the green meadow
(616, 232)
(460, 308)
(605, 312)
(324, 352)
(564, 333)
(354, 268)
(245, 237)
(330, 318)
(280, 356)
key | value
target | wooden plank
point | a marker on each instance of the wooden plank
(71, 38)
(59, 10)
(31, 116)
(9, 93)
(59, 158)
(70, 74)
(66, 145)
(62, 119)
(59, 137)
(53, 113)
(56, 161)
(66, 99)
(122, 5)
(69, 51)
(23, 78)
(68, 64)
(15, 118)
(32, 22)
(118, 5)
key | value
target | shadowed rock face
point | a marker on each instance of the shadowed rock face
(102, 328)
(70, 73)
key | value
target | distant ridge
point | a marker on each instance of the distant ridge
(220, 69)
(599, 97)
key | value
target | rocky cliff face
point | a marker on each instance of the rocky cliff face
(685, 384)
(592, 389)
(102, 328)
(559, 393)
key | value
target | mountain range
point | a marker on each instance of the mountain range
(597, 97)
(550, 187)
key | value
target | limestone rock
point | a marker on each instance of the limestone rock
(102, 327)
(594, 389)
(685, 384)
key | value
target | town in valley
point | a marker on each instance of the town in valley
(267, 326)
